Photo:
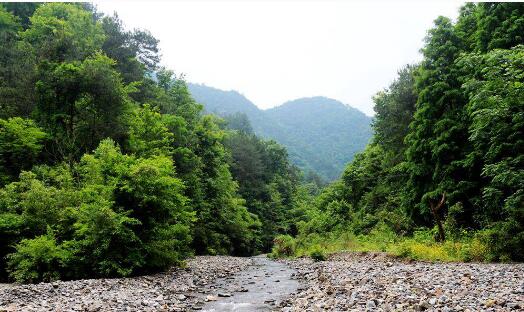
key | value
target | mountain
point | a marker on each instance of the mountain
(320, 134)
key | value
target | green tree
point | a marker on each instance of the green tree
(499, 25)
(135, 52)
(495, 87)
(38, 259)
(239, 122)
(23, 10)
(221, 210)
(438, 132)
(394, 112)
(21, 142)
(81, 103)
(148, 133)
(62, 32)
(267, 182)
(17, 71)
(27, 208)
(109, 215)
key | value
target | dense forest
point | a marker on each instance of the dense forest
(108, 166)
(320, 134)
(446, 162)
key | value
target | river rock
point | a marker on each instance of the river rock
(169, 291)
(350, 281)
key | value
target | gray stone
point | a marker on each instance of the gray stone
(371, 304)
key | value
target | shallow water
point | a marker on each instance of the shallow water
(266, 282)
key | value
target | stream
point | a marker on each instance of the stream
(258, 288)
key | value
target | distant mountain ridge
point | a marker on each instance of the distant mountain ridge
(320, 134)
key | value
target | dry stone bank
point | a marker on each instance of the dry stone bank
(161, 292)
(375, 282)
(346, 282)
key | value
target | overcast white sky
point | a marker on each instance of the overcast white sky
(275, 51)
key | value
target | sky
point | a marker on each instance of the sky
(276, 51)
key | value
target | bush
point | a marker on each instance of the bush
(475, 250)
(317, 255)
(381, 237)
(404, 251)
(284, 246)
(489, 245)
(104, 241)
(37, 259)
(122, 216)
(21, 141)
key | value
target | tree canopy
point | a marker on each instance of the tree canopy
(447, 152)
(108, 166)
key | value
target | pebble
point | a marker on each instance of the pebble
(170, 291)
(224, 294)
(351, 281)
(345, 282)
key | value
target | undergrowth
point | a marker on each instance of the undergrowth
(419, 246)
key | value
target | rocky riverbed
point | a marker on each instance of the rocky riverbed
(375, 282)
(263, 286)
(346, 282)
(176, 290)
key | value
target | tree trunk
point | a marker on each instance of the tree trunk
(435, 208)
(441, 234)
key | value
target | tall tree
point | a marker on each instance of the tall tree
(17, 69)
(394, 109)
(438, 132)
(495, 87)
(81, 103)
(267, 181)
(23, 10)
(63, 32)
(499, 25)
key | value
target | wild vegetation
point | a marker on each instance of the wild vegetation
(443, 178)
(320, 134)
(108, 167)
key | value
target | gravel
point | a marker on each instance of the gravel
(170, 291)
(376, 282)
(345, 282)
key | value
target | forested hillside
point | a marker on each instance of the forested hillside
(446, 162)
(320, 134)
(105, 171)
(109, 167)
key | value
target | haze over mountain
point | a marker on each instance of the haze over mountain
(320, 134)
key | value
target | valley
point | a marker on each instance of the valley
(124, 187)
(320, 134)
(344, 282)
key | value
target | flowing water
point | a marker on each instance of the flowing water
(258, 288)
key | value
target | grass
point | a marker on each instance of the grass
(420, 246)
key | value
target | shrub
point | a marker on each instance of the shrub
(104, 240)
(284, 246)
(317, 255)
(404, 251)
(490, 245)
(382, 236)
(122, 216)
(474, 250)
(37, 259)
(21, 141)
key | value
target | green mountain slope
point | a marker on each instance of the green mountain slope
(320, 134)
